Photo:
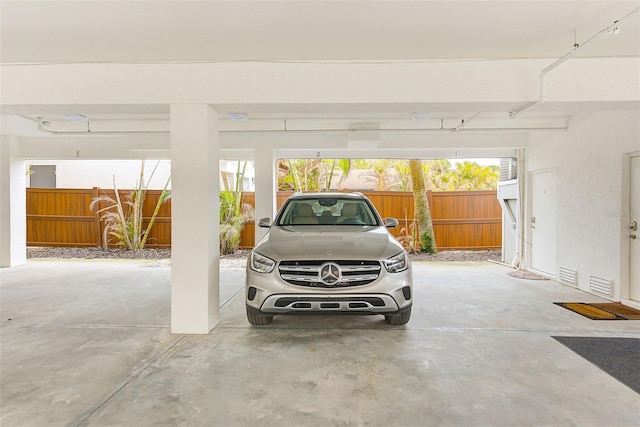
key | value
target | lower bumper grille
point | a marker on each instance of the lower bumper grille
(330, 302)
(319, 303)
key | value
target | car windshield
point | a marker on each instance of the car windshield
(327, 211)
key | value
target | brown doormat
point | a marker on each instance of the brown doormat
(602, 311)
(619, 309)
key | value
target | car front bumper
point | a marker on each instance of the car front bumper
(389, 293)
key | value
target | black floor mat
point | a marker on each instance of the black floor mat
(618, 357)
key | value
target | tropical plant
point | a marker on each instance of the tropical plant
(311, 174)
(385, 174)
(436, 174)
(299, 174)
(470, 176)
(345, 167)
(408, 237)
(233, 214)
(423, 213)
(123, 219)
(230, 223)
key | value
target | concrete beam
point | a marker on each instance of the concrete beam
(236, 145)
(505, 83)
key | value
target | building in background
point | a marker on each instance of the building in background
(100, 173)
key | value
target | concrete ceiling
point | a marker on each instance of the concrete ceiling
(78, 32)
(134, 31)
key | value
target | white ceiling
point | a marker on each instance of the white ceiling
(81, 31)
(122, 31)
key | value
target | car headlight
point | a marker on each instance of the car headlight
(397, 263)
(261, 263)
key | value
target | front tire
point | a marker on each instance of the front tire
(398, 319)
(258, 319)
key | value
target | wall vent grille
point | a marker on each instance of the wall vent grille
(568, 276)
(508, 169)
(600, 285)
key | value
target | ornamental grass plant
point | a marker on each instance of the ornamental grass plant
(123, 217)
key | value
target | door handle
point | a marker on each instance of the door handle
(633, 236)
(633, 226)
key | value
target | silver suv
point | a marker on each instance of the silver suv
(328, 253)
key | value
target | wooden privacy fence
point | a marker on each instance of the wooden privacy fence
(461, 219)
(62, 217)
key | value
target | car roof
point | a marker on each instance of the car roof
(302, 196)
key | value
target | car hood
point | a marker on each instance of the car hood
(328, 243)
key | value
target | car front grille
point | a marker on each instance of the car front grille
(329, 274)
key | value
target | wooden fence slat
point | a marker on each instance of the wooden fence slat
(461, 220)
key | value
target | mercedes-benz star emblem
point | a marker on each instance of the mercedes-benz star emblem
(330, 274)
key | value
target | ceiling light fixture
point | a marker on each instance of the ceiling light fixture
(419, 115)
(237, 116)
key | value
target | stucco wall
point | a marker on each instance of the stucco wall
(100, 173)
(592, 192)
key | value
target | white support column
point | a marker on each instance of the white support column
(13, 210)
(265, 178)
(195, 234)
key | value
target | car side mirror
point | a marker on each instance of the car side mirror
(264, 223)
(390, 222)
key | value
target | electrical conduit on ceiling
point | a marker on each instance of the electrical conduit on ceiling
(610, 30)
(162, 126)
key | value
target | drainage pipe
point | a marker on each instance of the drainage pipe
(611, 29)
(517, 261)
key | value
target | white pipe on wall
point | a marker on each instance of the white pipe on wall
(520, 230)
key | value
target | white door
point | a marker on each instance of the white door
(634, 219)
(543, 222)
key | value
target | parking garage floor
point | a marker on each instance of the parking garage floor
(89, 343)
